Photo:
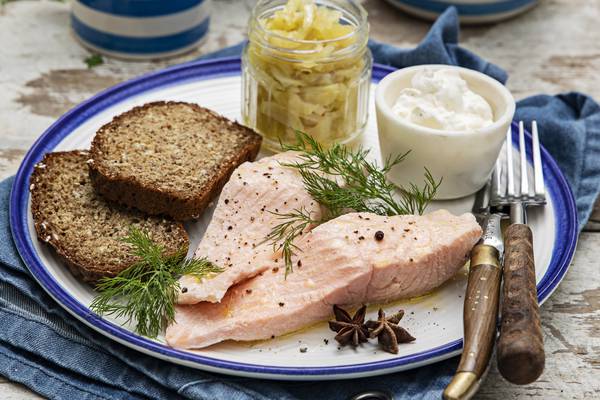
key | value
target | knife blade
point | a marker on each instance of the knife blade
(480, 310)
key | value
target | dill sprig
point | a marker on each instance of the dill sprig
(282, 235)
(343, 180)
(147, 290)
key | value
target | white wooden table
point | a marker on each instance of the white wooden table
(554, 48)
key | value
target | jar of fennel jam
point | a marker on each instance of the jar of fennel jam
(306, 68)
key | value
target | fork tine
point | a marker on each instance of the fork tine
(537, 164)
(510, 173)
(497, 191)
(523, 163)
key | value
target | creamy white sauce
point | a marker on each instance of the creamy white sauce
(441, 99)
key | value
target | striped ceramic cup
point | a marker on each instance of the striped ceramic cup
(140, 29)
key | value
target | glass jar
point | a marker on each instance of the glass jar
(290, 83)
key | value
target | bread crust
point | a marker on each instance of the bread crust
(46, 233)
(153, 199)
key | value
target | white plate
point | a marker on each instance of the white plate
(435, 320)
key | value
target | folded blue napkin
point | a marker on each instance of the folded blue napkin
(49, 351)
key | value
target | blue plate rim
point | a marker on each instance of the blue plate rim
(558, 188)
(470, 9)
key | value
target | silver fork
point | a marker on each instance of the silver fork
(520, 349)
(504, 191)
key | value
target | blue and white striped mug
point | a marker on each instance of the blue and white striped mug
(140, 29)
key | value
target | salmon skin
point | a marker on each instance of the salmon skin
(245, 214)
(353, 259)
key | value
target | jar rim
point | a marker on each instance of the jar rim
(361, 25)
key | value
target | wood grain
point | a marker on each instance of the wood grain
(14, 391)
(520, 348)
(481, 309)
(553, 48)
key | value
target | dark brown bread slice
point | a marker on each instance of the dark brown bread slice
(168, 157)
(82, 227)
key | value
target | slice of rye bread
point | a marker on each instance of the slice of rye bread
(82, 227)
(168, 158)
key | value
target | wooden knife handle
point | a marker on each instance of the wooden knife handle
(520, 348)
(481, 309)
(479, 320)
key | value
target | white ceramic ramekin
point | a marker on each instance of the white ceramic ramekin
(464, 159)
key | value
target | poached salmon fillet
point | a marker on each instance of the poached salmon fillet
(245, 214)
(353, 259)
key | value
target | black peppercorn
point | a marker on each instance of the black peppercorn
(379, 235)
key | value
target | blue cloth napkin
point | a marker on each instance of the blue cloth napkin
(46, 349)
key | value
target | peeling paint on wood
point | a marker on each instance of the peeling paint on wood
(11, 155)
(55, 92)
(553, 48)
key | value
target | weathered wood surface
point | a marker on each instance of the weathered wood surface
(552, 49)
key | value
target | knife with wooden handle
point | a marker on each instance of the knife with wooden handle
(520, 351)
(480, 314)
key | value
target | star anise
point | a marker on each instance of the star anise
(388, 332)
(350, 330)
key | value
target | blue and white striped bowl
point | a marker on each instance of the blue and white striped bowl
(470, 11)
(140, 29)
